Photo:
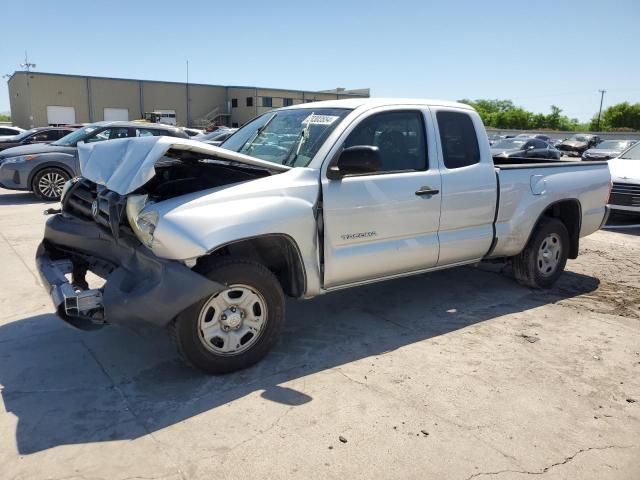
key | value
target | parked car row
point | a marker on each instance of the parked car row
(524, 147)
(40, 135)
(43, 159)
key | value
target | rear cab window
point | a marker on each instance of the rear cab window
(458, 139)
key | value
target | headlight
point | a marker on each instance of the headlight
(20, 159)
(142, 223)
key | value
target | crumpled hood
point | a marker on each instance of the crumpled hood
(626, 170)
(126, 164)
(36, 149)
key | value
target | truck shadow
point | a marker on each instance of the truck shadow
(67, 387)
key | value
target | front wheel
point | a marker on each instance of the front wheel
(48, 184)
(543, 260)
(236, 327)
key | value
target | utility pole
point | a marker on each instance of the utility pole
(28, 66)
(602, 92)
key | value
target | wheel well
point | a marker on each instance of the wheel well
(569, 213)
(278, 253)
(36, 171)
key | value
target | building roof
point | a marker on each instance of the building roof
(351, 92)
(353, 103)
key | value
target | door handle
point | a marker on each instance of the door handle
(427, 191)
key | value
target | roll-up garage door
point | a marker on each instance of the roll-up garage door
(116, 114)
(57, 115)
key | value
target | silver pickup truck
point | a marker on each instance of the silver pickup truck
(301, 201)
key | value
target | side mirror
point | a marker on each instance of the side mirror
(358, 159)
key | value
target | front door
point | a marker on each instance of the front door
(381, 224)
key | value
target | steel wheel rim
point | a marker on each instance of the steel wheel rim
(231, 321)
(51, 184)
(549, 255)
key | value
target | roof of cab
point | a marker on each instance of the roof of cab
(353, 103)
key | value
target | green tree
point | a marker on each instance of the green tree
(5, 117)
(622, 115)
(505, 114)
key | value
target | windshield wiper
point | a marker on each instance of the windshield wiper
(297, 146)
(249, 143)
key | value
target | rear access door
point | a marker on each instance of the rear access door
(469, 186)
(386, 223)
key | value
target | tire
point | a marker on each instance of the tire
(540, 264)
(204, 332)
(47, 183)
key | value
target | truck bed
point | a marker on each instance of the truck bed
(527, 187)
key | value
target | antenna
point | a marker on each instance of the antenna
(26, 63)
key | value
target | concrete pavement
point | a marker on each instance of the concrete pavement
(458, 374)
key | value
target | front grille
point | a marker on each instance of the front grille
(94, 202)
(625, 194)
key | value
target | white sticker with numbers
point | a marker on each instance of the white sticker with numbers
(314, 119)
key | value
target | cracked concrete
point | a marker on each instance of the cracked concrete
(441, 353)
(545, 469)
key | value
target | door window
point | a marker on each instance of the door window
(109, 134)
(62, 133)
(148, 132)
(45, 136)
(400, 137)
(458, 139)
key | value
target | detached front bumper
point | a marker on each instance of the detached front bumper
(139, 287)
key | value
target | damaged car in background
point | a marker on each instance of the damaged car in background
(576, 145)
(301, 201)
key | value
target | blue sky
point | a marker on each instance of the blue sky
(537, 53)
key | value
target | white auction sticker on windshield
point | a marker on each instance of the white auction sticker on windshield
(314, 119)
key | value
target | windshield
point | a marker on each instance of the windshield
(20, 136)
(632, 154)
(578, 138)
(617, 145)
(71, 139)
(509, 143)
(288, 137)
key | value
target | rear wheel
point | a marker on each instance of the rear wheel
(236, 327)
(543, 260)
(47, 184)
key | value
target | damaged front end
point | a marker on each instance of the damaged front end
(137, 283)
(106, 226)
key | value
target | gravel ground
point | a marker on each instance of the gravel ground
(458, 374)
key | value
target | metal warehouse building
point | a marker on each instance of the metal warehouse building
(39, 99)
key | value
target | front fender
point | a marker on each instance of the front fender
(282, 204)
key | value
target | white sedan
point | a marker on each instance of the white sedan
(625, 173)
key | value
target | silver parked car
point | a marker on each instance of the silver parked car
(44, 168)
